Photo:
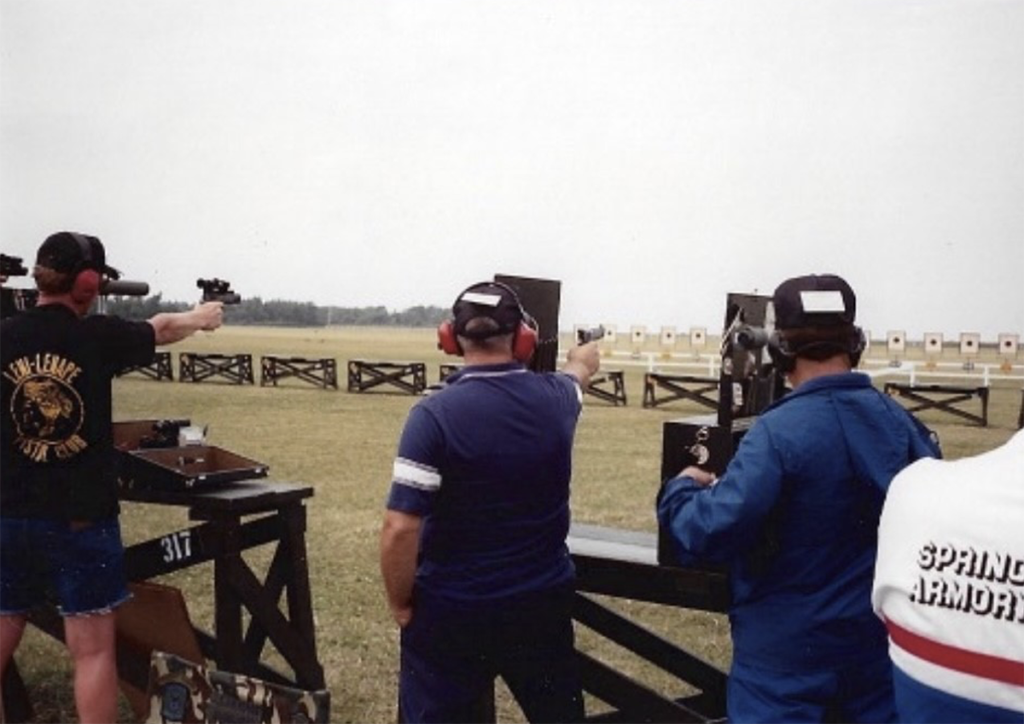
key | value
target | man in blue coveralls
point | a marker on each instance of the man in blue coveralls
(473, 546)
(795, 517)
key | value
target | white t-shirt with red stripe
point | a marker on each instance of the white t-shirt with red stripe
(949, 580)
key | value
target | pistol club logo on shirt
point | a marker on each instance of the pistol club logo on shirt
(46, 409)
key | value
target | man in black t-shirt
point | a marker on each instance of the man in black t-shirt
(59, 533)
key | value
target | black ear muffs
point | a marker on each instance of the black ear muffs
(784, 356)
(781, 354)
(858, 343)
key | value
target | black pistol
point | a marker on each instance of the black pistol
(218, 290)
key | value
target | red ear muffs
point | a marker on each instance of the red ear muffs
(525, 342)
(446, 340)
(86, 286)
(523, 346)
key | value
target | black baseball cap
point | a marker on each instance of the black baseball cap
(815, 300)
(487, 299)
(69, 252)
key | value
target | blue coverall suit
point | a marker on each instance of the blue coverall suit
(795, 517)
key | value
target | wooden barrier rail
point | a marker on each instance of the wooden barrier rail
(158, 369)
(608, 386)
(408, 377)
(317, 372)
(235, 368)
(446, 369)
(680, 387)
(942, 398)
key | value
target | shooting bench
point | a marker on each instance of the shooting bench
(609, 386)
(408, 377)
(318, 372)
(623, 564)
(196, 367)
(942, 398)
(158, 369)
(680, 387)
(231, 520)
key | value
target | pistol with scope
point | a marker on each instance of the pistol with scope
(12, 266)
(218, 290)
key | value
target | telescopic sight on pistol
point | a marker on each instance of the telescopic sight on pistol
(218, 290)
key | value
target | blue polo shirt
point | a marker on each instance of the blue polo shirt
(486, 461)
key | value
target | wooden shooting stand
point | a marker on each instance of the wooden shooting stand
(158, 369)
(410, 377)
(680, 387)
(196, 367)
(624, 564)
(942, 398)
(609, 386)
(317, 372)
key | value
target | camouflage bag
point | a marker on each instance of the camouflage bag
(181, 691)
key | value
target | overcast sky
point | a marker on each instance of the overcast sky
(651, 155)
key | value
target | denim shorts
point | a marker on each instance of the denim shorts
(78, 567)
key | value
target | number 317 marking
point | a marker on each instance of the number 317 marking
(177, 546)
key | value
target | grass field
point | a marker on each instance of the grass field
(343, 445)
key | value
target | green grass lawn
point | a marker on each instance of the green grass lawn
(342, 444)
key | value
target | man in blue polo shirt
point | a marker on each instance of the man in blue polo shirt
(473, 553)
(795, 516)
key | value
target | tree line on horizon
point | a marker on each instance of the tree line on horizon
(275, 312)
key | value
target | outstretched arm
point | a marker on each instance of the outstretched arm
(171, 327)
(582, 362)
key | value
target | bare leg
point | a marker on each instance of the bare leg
(11, 629)
(90, 640)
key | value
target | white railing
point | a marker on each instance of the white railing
(706, 364)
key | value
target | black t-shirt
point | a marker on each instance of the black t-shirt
(56, 444)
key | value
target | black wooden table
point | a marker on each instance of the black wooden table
(232, 519)
(624, 564)
(235, 518)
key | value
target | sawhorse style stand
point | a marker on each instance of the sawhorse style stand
(235, 368)
(410, 377)
(158, 369)
(609, 386)
(942, 398)
(680, 387)
(317, 372)
(234, 519)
